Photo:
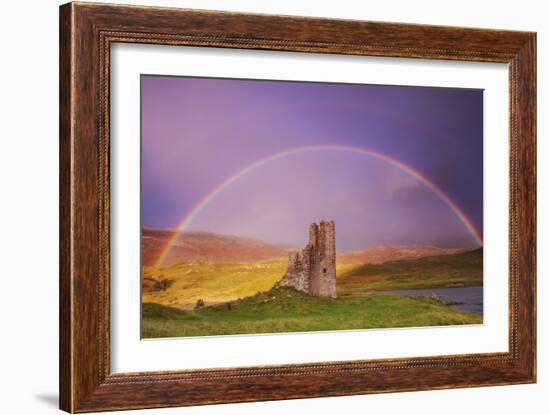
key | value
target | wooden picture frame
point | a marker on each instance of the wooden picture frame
(86, 33)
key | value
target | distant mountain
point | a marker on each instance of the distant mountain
(206, 246)
(379, 254)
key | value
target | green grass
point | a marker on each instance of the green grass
(287, 310)
(464, 269)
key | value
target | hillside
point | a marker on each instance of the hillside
(379, 254)
(461, 269)
(206, 246)
(212, 247)
(220, 268)
(182, 284)
(285, 309)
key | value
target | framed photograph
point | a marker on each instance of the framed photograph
(259, 207)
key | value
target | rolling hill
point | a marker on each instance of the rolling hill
(182, 285)
(461, 269)
(234, 278)
(212, 247)
(206, 246)
(221, 268)
(379, 254)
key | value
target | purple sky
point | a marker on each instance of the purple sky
(197, 132)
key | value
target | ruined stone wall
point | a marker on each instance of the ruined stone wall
(297, 275)
(313, 269)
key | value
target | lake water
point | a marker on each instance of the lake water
(470, 298)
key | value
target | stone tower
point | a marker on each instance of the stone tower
(313, 269)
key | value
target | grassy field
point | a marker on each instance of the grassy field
(285, 310)
(215, 282)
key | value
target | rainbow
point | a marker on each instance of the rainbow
(204, 201)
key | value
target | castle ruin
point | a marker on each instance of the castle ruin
(313, 269)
